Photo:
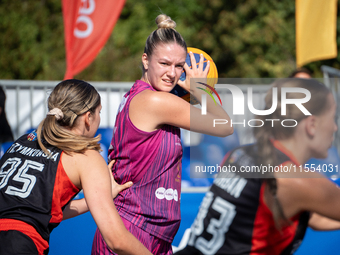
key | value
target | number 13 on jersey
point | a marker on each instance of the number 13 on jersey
(217, 227)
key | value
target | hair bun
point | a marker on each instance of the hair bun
(164, 21)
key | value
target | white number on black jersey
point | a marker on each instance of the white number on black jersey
(27, 180)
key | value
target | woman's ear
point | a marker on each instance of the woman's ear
(145, 61)
(87, 117)
(311, 123)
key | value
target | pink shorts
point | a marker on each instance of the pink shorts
(152, 243)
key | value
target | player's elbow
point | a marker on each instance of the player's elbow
(229, 131)
(121, 242)
(226, 131)
(222, 128)
(119, 245)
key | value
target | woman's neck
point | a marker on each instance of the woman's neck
(297, 148)
(145, 78)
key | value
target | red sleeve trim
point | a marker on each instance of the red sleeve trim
(64, 190)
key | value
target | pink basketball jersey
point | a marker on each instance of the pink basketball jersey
(152, 161)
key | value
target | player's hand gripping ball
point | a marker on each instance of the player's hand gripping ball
(212, 74)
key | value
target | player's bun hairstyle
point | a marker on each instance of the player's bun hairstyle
(165, 34)
(317, 105)
(300, 70)
(74, 98)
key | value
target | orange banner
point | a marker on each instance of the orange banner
(87, 26)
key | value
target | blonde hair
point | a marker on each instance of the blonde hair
(73, 98)
(316, 106)
(165, 34)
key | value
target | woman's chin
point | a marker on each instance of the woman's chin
(168, 88)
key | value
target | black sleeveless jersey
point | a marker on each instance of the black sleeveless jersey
(234, 219)
(34, 187)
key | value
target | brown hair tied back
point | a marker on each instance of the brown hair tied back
(68, 100)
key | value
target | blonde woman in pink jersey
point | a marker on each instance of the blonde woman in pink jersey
(146, 140)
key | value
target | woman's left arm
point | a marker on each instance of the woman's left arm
(75, 208)
(79, 206)
(319, 222)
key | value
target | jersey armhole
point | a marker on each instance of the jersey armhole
(63, 172)
(130, 121)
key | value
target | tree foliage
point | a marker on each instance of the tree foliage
(246, 38)
(31, 41)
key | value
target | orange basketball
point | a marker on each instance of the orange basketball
(212, 74)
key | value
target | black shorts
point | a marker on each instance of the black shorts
(188, 250)
(13, 242)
